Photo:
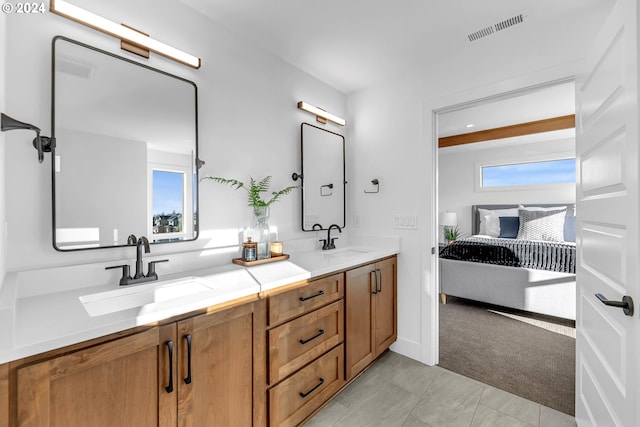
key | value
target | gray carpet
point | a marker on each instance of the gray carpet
(528, 355)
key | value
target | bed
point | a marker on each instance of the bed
(529, 268)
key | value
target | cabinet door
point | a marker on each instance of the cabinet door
(112, 384)
(386, 329)
(359, 319)
(216, 368)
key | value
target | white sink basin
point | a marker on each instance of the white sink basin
(102, 303)
(344, 253)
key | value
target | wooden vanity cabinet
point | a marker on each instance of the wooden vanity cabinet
(158, 377)
(249, 362)
(306, 352)
(371, 313)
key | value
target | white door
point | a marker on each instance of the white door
(607, 345)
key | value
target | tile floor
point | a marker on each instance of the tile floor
(398, 391)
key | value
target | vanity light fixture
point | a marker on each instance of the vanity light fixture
(128, 35)
(321, 115)
(41, 143)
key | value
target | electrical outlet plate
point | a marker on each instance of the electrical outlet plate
(406, 222)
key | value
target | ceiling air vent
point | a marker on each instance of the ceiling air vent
(499, 26)
(480, 34)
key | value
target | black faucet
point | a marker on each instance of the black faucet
(142, 242)
(329, 243)
(139, 276)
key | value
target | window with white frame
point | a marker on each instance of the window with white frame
(168, 198)
(546, 172)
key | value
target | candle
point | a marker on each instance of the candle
(276, 248)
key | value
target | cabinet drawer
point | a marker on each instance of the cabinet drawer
(298, 396)
(296, 343)
(289, 304)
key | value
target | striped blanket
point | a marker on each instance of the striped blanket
(539, 255)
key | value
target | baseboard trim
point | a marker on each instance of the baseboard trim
(408, 348)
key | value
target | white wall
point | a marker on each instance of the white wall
(458, 172)
(385, 143)
(392, 134)
(248, 125)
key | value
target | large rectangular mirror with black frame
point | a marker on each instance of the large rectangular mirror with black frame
(125, 158)
(323, 178)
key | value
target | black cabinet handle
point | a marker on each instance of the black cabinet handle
(375, 287)
(626, 304)
(313, 389)
(169, 388)
(320, 332)
(312, 296)
(187, 380)
(378, 271)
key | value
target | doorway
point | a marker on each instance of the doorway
(501, 345)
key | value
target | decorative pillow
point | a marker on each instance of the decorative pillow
(509, 226)
(495, 222)
(569, 229)
(538, 224)
(491, 225)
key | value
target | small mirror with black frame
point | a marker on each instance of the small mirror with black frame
(323, 178)
(125, 160)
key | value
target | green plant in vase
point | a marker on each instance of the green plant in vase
(256, 191)
(451, 234)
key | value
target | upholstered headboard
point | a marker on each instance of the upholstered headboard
(571, 211)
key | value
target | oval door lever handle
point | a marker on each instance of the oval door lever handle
(626, 304)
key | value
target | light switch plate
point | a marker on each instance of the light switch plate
(406, 222)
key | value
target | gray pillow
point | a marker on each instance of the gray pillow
(545, 225)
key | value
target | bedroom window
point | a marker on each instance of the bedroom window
(530, 173)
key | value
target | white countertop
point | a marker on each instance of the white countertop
(325, 262)
(41, 323)
(34, 324)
